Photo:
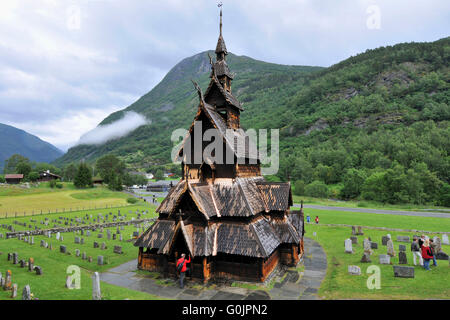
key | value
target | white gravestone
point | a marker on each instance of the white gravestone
(348, 246)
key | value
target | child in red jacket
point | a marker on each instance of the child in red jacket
(427, 254)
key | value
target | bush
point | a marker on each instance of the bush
(299, 188)
(2, 179)
(52, 184)
(33, 176)
(59, 185)
(132, 200)
(316, 189)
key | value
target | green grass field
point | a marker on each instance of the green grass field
(338, 284)
(16, 199)
(51, 285)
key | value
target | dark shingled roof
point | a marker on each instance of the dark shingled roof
(169, 204)
(267, 236)
(221, 68)
(157, 235)
(221, 47)
(276, 195)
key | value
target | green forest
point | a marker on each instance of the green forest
(372, 127)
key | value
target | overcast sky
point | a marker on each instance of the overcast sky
(65, 65)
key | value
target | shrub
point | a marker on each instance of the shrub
(2, 179)
(59, 185)
(299, 188)
(132, 200)
(316, 189)
(52, 184)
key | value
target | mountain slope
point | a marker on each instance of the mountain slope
(173, 102)
(13, 140)
(374, 126)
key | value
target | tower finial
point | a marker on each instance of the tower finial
(220, 6)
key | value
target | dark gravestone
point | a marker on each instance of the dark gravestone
(15, 258)
(95, 244)
(100, 235)
(402, 258)
(384, 240)
(366, 258)
(401, 247)
(38, 270)
(403, 272)
(374, 245)
(354, 240)
(442, 256)
(118, 249)
(22, 263)
(62, 249)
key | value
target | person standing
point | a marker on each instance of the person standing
(317, 219)
(308, 219)
(427, 255)
(415, 249)
(433, 250)
(181, 267)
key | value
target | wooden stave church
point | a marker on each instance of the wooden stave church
(233, 223)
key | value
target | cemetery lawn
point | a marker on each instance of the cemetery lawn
(14, 199)
(338, 284)
(51, 285)
(379, 220)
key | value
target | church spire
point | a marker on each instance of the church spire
(221, 49)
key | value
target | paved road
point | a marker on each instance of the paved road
(381, 211)
(294, 286)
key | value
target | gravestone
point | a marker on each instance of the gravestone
(100, 235)
(77, 252)
(77, 240)
(403, 272)
(354, 240)
(42, 243)
(441, 256)
(354, 270)
(26, 293)
(89, 259)
(348, 246)
(22, 263)
(61, 238)
(401, 247)
(38, 270)
(62, 249)
(82, 241)
(103, 247)
(120, 238)
(384, 259)
(9, 256)
(114, 236)
(402, 258)
(69, 282)
(360, 231)
(403, 239)
(96, 292)
(14, 291)
(95, 244)
(8, 280)
(390, 248)
(384, 240)
(118, 249)
(445, 239)
(32, 241)
(30, 264)
(15, 258)
(100, 260)
(374, 245)
(83, 256)
(58, 235)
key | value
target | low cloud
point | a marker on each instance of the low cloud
(120, 128)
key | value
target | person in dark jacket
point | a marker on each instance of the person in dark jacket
(183, 269)
(415, 249)
(427, 255)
